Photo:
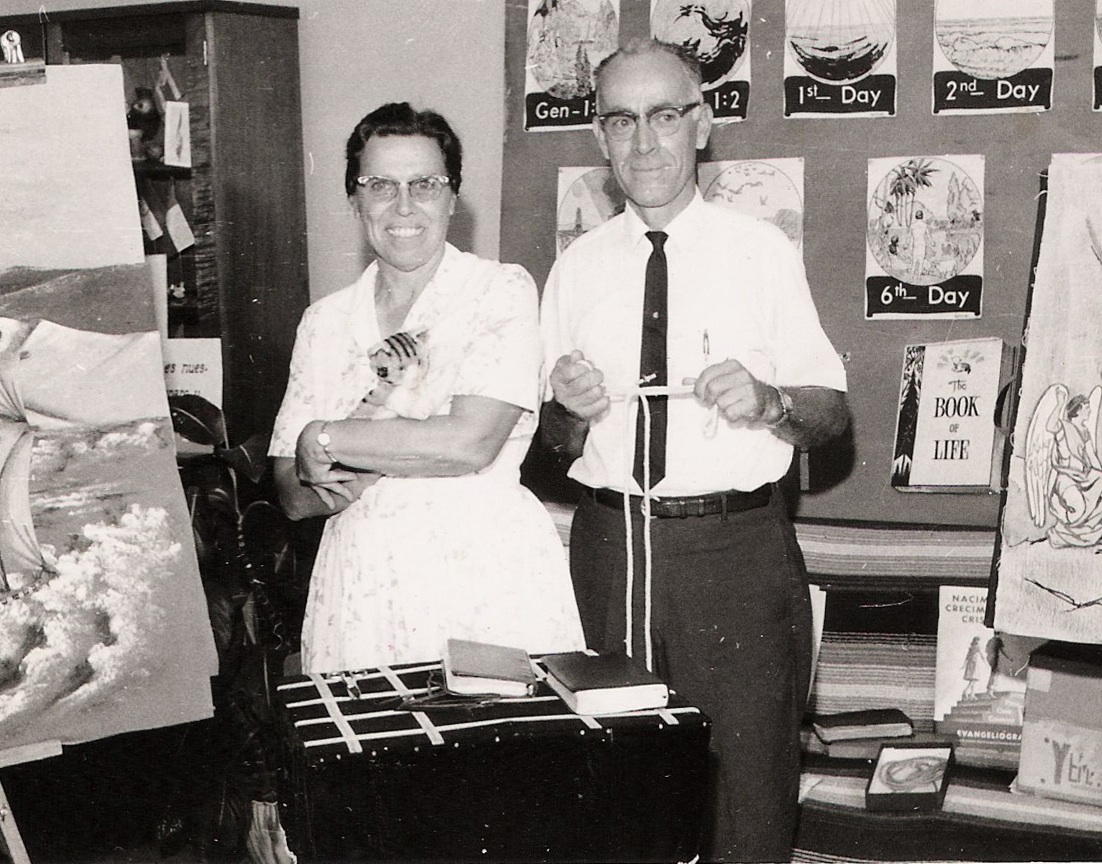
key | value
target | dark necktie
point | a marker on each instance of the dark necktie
(652, 364)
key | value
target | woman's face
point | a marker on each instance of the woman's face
(405, 234)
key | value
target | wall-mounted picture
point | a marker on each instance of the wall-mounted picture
(993, 57)
(840, 57)
(566, 42)
(924, 237)
(718, 33)
(769, 189)
(588, 197)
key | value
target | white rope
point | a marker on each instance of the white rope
(641, 393)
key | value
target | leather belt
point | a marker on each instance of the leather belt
(693, 505)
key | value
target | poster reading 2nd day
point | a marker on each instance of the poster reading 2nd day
(566, 42)
(718, 33)
(924, 237)
(840, 58)
(993, 57)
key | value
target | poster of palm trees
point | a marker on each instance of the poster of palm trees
(840, 58)
(924, 237)
(718, 33)
(993, 57)
(103, 623)
(567, 40)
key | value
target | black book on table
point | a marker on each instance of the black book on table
(609, 683)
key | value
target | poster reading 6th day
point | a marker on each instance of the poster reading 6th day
(924, 237)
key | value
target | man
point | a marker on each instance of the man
(718, 591)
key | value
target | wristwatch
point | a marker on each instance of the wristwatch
(786, 409)
(324, 439)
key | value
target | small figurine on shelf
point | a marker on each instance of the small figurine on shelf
(12, 46)
(144, 122)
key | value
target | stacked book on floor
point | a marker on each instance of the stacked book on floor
(860, 734)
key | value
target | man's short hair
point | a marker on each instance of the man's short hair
(640, 45)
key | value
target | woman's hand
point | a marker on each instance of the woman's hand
(315, 469)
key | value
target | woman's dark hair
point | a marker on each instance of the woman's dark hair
(398, 118)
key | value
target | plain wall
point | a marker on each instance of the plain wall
(356, 54)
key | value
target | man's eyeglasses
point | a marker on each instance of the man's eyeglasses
(663, 120)
(421, 189)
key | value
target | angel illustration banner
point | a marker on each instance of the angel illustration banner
(1048, 576)
(718, 33)
(103, 623)
(924, 237)
(993, 57)
(840, 58)
(566, 42)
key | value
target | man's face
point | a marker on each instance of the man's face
(657, 173)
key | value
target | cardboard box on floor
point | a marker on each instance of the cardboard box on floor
(1061, 755)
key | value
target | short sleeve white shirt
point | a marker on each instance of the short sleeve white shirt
(737, 289)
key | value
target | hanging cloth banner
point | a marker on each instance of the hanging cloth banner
(1047, 579)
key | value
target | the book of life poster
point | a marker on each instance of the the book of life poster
(103, 622)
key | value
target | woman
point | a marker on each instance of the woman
(430, 533)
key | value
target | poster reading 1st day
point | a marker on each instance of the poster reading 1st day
(993, 57)
(840, 58)
(566, 42)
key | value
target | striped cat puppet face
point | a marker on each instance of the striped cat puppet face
(400, 363)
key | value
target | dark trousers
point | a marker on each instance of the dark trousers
(731, 632)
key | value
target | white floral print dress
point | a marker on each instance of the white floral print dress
(417, 560)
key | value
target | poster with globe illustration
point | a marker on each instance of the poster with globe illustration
(839, 58)
(103, 623)
(924, 237)
(718, 33)
(993, 57)
(769, 189)
(566, 41)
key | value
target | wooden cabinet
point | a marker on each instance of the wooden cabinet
(244, 279)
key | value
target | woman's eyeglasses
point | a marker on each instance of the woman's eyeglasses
(421, 189)
(663, 120)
